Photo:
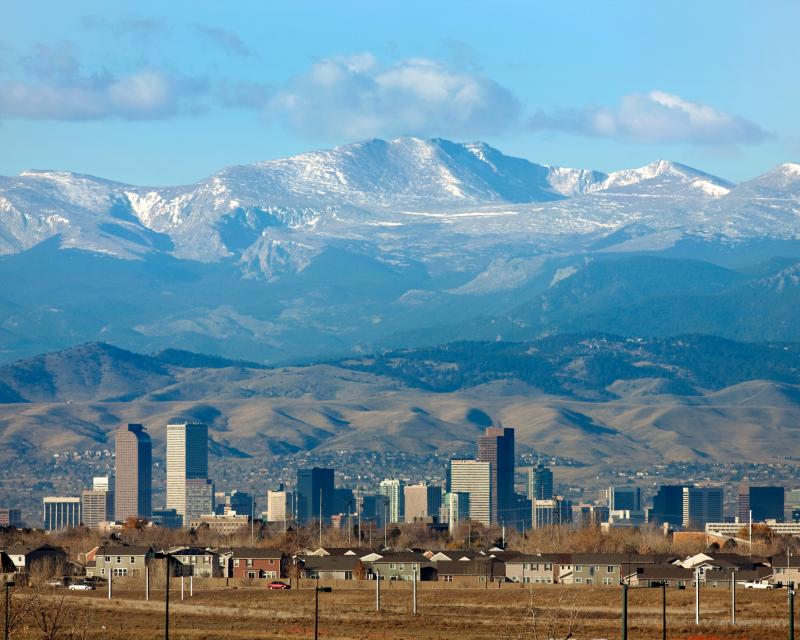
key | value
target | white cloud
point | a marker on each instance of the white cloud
(52, 86)
(357, 97)
(655, 117)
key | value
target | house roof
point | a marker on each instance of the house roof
(331, 563)
(192, 551)
(255, 552)
(550, 558)
(340, 551)
(663, 572)
(400, 556)
(459, 568)
(123, 550)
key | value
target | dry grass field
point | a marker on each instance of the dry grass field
(510, 612)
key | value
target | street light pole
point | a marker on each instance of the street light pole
(663, 610)
(791, 610)
(624, 611)
(316, 610)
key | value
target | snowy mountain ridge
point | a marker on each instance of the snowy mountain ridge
(263, 213)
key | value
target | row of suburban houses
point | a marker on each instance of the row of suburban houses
(474, 567)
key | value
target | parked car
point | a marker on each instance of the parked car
(756, 585)
(277, 584)
(54, 583)
(81, 586)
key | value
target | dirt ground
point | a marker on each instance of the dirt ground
(509, 613)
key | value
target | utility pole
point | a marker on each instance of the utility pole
(349, 527)
(110, 573)
(385, 524)
(8, 584)
(252, 515)
(791, 610)
(414, 589)
(320, 518)
(663, 610)
(316, 603)
(181, 587)
(624, 611)
(733, 597)
(377, 590)
(166, 602)
(147, 582)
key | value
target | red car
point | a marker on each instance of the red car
(277, 584)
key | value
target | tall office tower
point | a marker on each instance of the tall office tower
(540, 483)
(240, 502)
(624, 499)
(375, 508)
(454, 510)
(766, 503)
(187, 459)
(11, 518)
(96, 507)
(61, 512)
(343, 501)
(280, 505)
(668, 505)
(701, 505)
(105, 483)
(496, 446)
(422, 501)
(553, 512)
(743, 503)
(394, 490)
(199, 499)
(312, 485)
(133, 473)
(473, 477)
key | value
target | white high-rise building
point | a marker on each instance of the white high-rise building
(393, 489)
(454, 510)
(474, 477)
(187, 459)
(279, 505)
(61, 512)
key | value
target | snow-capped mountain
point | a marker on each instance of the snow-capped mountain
(274, 216)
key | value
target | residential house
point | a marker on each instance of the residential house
(262, 564)
(403, 565)
(533, 569)
(333, 567)
(475, 572)
(45, 558)
(198, 562)
(655, 575)
(785, 570)
(118, 560)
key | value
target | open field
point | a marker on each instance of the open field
(505, 613)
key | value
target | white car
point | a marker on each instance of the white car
(81, 586)
(756, 585)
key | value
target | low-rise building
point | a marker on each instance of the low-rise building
(118, 561)
(198, 562)
(403, 565)
(224, 524)
(333, 567)
(263, 564)
(533, 569)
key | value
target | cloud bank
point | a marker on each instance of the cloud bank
(655, 117)
(356, 97)
(54, 87)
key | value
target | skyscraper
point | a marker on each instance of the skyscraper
(96, 507)
(422, 501)
(134, 469)
(280, 505)
(312, 485)
(701, 505)
(454, 510)
(624, 499)
(473, 477)
(187, 459)
(540, 483)
(668, 505)
(765, 503)
(496, 446)
(394, 490)
(199, 499)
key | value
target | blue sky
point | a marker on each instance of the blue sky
(167, 93)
